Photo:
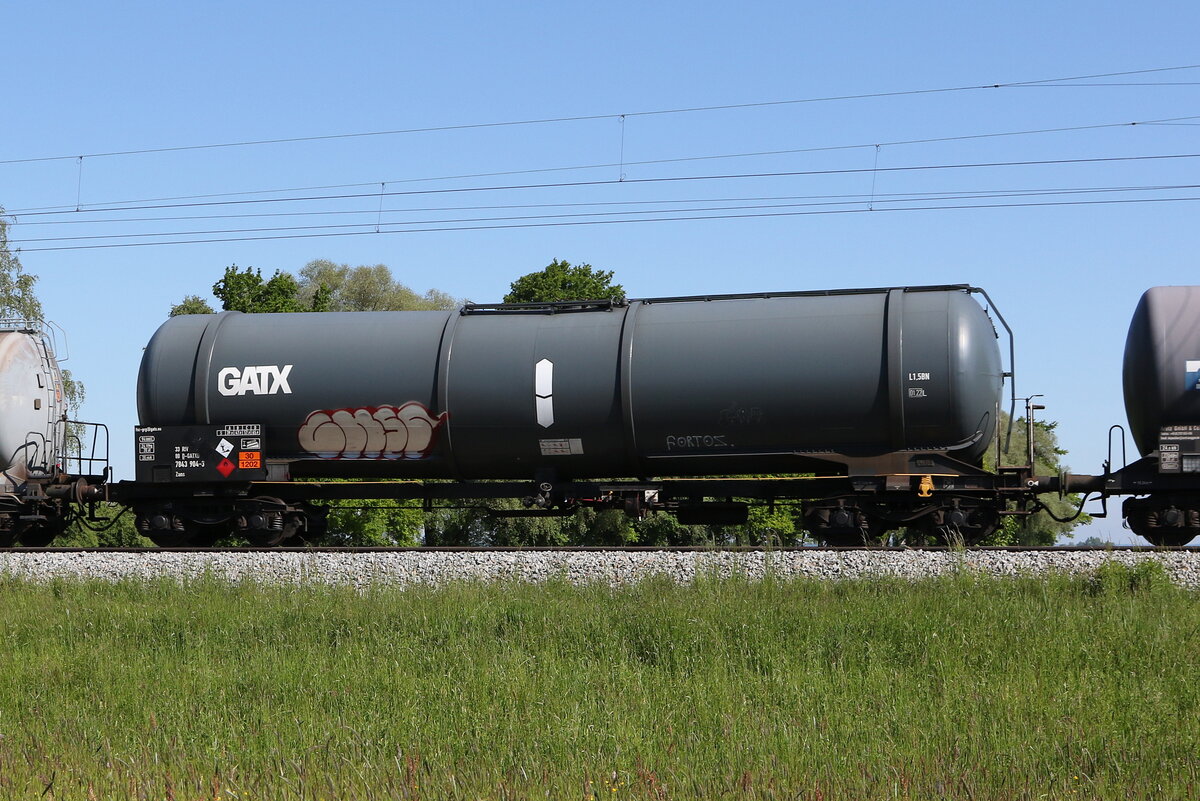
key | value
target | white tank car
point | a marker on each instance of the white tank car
(32, 407)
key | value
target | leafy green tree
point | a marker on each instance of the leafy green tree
(477, 525)
(18, 300)
(563, 281)
(321, 286)
(374, 523)
(340, 287)
(486, 525)
(1041, 528)
(111, 528)
(246, 291)
(767, 526)
(191, 304)
(661, 528)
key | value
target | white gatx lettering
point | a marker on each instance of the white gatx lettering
(265, 379)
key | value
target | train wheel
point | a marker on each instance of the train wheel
(959, 524)
(39, 536)
(844, 525)
(168, 529)
(1167, 522)
(193, 536)
(268, 523)
(1162, 539)
(862, 538)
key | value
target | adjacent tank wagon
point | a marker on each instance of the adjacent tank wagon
(1162, 400)
(37, 486)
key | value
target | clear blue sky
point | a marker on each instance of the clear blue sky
(86, 78)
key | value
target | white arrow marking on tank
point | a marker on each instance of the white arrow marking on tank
(543, 391)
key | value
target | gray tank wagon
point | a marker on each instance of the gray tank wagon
(676, 387)
(883, 387)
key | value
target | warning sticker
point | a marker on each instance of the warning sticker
(225, 467)
(240, 431)
(224, 447)
(249, 460)
(251, 444)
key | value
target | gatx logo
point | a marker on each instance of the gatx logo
(263, 379)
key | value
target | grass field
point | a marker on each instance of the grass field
(954, 688)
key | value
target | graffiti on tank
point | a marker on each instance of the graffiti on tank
(372, 432)
(696, 441)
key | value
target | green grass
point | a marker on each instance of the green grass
(954, 688)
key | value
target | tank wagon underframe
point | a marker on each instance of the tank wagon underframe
(849, 510)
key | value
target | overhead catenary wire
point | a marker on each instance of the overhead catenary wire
(647, 181)
(621, 165)
(942, 194)
(1069, 81)
(614, 222)
(692, 209)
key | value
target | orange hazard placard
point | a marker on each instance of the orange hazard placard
(250, 460)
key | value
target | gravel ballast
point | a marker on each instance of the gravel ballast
(580, 567)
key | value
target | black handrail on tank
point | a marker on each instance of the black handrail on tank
(551, 307)
(607, 304)
(813, 293)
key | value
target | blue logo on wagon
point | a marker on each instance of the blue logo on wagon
(1192, 369)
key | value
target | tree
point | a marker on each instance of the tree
(112, 528)
(322, 286)
(340, 287)
(18, 300)
(1040, 528)
(563, 281)
(246, 291)
(374, 523)
(191, 304)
